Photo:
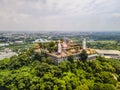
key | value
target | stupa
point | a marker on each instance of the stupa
(37, 48)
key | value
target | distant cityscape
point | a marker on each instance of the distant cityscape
(9, 39)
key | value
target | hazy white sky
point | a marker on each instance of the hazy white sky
(79, 15)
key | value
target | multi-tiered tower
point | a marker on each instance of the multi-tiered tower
(59, 47)
(84, 43)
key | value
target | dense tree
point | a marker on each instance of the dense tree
(101, 86)
(83, 56)
(23, 72)
(71, 58)
(105, 44)
(38, 56)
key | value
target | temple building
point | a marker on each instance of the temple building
(68, 48)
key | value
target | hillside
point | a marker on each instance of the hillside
(30, 71)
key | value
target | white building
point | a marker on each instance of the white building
(109, 53)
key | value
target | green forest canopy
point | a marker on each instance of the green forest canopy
(26, 72)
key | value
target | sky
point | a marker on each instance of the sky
(60, 15)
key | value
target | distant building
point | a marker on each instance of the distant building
(4, 44)
(6, 53)
(40, 40)
(109, 53)
(18, 42)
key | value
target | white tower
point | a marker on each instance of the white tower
(84, 43)
(59, 47)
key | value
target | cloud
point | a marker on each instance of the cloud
(59, 14)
